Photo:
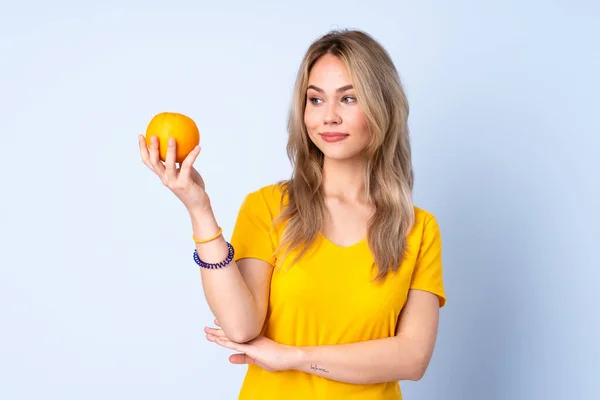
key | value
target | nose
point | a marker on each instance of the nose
(332, 115)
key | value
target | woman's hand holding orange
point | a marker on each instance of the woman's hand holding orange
(184, 181)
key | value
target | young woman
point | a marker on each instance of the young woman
(331, 284)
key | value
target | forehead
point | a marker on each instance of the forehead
(329, 72)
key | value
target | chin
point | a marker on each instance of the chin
(341, 155)
(338, 151)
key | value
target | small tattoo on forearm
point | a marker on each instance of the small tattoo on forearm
(317, 368)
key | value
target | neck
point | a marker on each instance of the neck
(344, 180)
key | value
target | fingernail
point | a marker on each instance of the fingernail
(171, 141)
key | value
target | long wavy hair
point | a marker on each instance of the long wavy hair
(388, 174)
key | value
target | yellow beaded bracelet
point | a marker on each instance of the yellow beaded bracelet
(210, 239)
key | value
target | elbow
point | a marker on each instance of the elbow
(241, 330)
(419, 367)
(417, 374)
(241, 335)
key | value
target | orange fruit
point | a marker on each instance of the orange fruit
(175, 125)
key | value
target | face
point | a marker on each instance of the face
(335, 121)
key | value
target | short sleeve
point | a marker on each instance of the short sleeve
(252, 233)
(428, 271)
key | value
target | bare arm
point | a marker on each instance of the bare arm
(405, 356)
(236, 294)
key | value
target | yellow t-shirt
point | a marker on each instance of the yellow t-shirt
(329, 298)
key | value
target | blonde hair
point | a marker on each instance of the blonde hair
(388, 175)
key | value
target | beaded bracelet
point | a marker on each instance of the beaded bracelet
(221, 264)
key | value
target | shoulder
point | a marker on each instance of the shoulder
(422, 216)
(425, 225)
(268, 194)
(265, 199)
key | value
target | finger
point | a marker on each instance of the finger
(222, 341)
(241, 359)
(215, 332)
(217, 323)
(157, 165)
(144, 151)
(170, 161)
(189, 160)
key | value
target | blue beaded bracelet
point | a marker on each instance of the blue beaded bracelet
(221, 264)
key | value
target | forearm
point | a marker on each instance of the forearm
(225, 290)
(374, 361)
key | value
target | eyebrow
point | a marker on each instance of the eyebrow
(340, 89)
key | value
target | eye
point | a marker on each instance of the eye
(314, 100)
(349, 99)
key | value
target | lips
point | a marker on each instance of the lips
(333, 136)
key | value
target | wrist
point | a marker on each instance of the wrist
(298, 356)
(204, 223)
(201, 214)
(200, 209)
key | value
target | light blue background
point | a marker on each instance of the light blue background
(99, 295)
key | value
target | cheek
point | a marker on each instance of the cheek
(311, 120)
(358, 121)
